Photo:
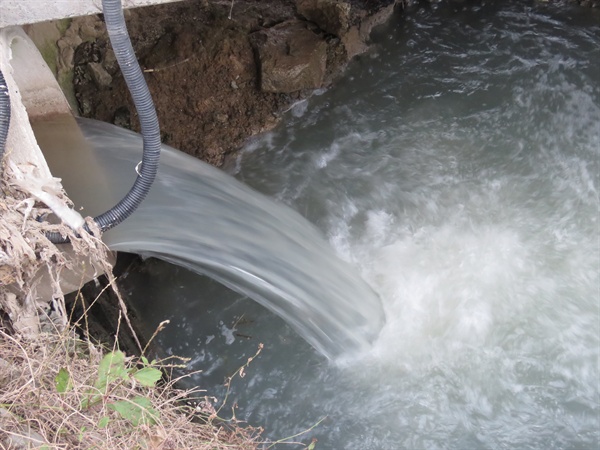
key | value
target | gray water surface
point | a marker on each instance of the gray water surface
(457, 166)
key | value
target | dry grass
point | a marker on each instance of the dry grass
(31, 267)
(35, 412)
(51, 394)
(56, 390)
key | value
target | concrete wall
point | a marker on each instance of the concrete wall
(20, 12)
(35, 93)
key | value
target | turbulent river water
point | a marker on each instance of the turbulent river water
(457, 168)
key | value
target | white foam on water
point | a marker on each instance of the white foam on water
(472, 208)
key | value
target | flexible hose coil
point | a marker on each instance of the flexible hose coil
(119, 38)
(4, 115)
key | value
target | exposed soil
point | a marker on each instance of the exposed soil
(221, 71)
(202, 63)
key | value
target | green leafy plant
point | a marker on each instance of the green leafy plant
(138, 410)
(63, 381)
(113, 371)
(103, 422)
(74, 394)
(147, 376)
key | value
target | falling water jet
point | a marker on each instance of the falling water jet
(200, 218)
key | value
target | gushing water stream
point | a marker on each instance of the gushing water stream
(198, 217)
(457, 166)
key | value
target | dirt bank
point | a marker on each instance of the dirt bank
(220, 72)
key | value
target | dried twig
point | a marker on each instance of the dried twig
(159, 69)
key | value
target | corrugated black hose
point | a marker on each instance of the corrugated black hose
(119, 38)
(4, 116)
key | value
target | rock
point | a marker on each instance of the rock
(110, 61)
(122, 118)
(89, 27)
(88, 52)
(65, 55)
(19, 439)
(292, 57)
(351, 22)
(81, 29)
(222, 118)
(355, 40)
(99, 74)
(272, 55)
(331, 16)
